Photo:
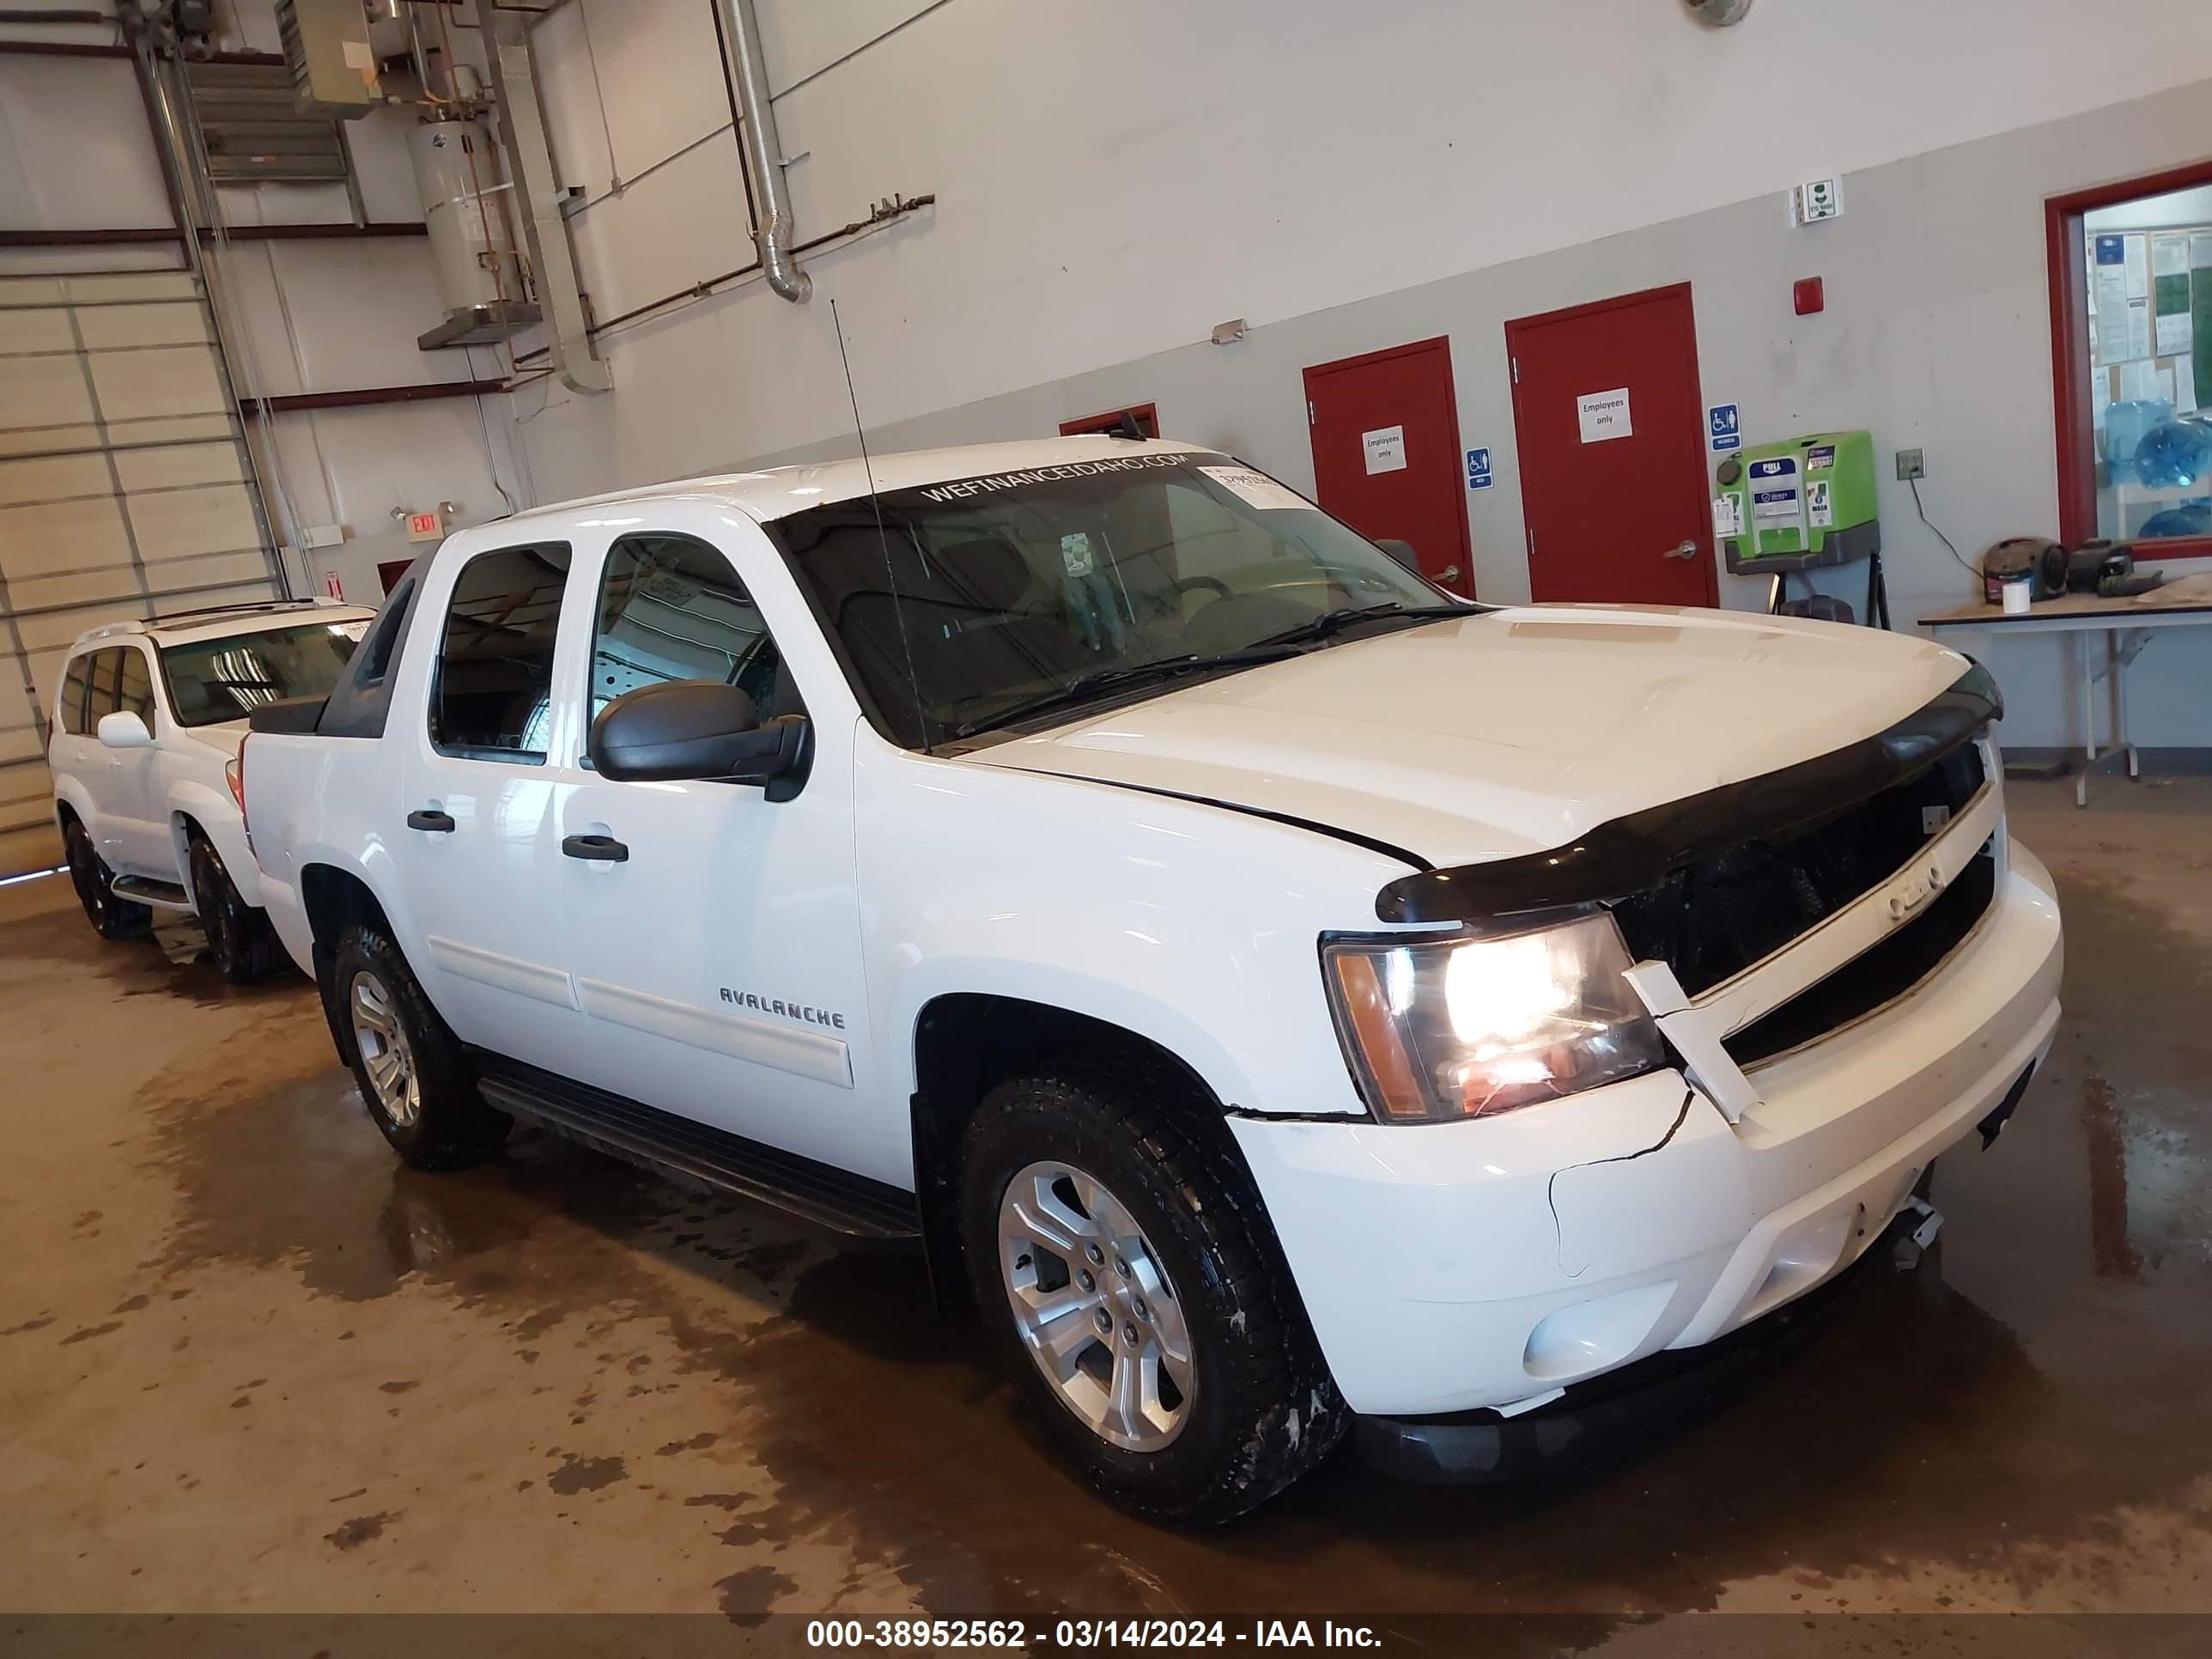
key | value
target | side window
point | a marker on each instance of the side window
(135, 695)
(73, 681)
(672, 609)
(493, 696)
(104, 696)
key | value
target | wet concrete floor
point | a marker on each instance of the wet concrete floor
(248, 1362)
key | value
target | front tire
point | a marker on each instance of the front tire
(244, 946)
(1131, 1286)
(414, 1076)
(111, 917)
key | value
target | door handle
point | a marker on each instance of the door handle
(431, 819)
(1449, 573)
(595, 847)
(1688, 549)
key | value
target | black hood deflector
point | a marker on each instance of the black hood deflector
(1627, 854)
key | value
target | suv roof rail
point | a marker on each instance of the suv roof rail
(240, 608)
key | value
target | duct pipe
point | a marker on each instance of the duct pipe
(195, 216)
(774, 227)
(545, 233)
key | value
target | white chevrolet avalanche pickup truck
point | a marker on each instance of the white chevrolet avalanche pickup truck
(147, 719)
(1282, 995)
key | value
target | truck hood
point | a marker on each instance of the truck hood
(1511, 731)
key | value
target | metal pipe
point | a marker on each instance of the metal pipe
(775, 227)
(182, 178)
(522, 128)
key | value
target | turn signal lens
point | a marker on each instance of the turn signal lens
(1446, 1028)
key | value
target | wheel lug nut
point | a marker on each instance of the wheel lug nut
(1105, 1322)
(1129, 1334)
(1138, 1309)
(1098, 1257)
(1084, 1279)
(1120, 1267)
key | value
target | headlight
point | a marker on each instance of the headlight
(1457, 1027)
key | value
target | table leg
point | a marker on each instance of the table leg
(2122, 656)
(2088, 716)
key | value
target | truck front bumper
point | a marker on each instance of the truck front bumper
(1494, 1263)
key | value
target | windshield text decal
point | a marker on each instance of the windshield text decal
(997, 481)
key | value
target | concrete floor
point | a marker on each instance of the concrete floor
(248, 1362)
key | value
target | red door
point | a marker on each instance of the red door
(1385, 431)
(1610, 422)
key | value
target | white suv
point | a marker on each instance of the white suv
(146, 723)
(1276, 990)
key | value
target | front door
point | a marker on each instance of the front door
(715, 933)
(1385, 434)
(1610, 422)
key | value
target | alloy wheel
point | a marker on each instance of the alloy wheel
(386, 1055)
(1095, 1308)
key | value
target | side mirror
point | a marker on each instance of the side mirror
(1403, 552)
(695, 729)
(123, 730)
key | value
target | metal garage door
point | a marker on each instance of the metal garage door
(123, 492)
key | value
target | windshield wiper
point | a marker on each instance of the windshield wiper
(1334, 622)
(1117, 676)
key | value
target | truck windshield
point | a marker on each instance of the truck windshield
(984, 599)
(211, 681)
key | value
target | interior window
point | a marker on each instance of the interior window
(494, 681)
(2147, 297)
(72, 698)
(134, 694)
(672, 609)
(102, 696)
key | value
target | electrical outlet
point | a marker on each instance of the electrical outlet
(1911, 464)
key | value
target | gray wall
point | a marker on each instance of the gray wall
(1936, 336)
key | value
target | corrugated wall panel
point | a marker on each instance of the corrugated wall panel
(123, 492)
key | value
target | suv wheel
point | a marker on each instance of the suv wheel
(1128, 1279)
(239, 936)
(415, 1077)
(110, 917)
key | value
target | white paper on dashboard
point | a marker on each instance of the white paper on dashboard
(1254, 488)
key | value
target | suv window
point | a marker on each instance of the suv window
(74, 680)
(227, 679)
(103, 697)
(495, 683)
(672, 609)
(135, 692)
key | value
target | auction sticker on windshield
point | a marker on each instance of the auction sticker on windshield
(1254, 488)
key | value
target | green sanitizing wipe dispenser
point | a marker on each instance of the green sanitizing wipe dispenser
(1797, 505)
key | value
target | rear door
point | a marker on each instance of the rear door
(475, 834)
(1610, 422)
(1385, 434)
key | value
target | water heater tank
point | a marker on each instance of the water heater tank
(479, 278)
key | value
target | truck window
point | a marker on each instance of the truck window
(493, 694)
(102, 696)
(73, 681)
(672, 609)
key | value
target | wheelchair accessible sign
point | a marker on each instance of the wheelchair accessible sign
(1724, 428)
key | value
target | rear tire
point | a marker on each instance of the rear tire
(111, 917)
(1186, 1262)
(244, 946)
(414, 1076)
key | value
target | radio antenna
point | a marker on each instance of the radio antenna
(882, 536)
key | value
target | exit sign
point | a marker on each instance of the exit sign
(425, 526)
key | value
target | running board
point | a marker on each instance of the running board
(846, 1203)
(144, 889)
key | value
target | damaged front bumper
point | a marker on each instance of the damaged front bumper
(1498, 1262)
